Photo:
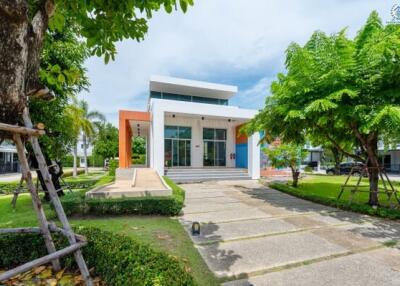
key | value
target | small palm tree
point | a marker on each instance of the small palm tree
(94, 119)
(83, 122)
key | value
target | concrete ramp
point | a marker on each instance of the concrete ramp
(138, 182)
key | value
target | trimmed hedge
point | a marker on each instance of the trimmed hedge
(10, 187)
(354, 207)
(118, 260)
(77, 204)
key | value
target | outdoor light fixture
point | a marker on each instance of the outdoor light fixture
(202, 118)
(173, 115)
(229, 120)
(195, 228)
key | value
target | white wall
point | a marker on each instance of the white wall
(218, 116)
(197, 144)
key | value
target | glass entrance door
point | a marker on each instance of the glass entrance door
(214, 147)
(177, 146)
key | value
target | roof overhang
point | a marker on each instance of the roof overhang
(191, 87)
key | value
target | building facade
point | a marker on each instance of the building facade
(8, 158)
(190, 124)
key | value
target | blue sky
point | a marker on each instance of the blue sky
(238, 42)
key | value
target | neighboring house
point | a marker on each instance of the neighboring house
(8, 158)
(190, 124)
(314, 156)
(390, 157)
(80, 149)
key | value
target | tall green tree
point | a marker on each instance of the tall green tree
(336, 85)
(287, 156)
(75, 117)
(24, 25)
(105, 143)
(93, 120)
(62, 70)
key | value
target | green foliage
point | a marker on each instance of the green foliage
(308, 169)
(139, 146)
(62, 70)
(133, 263)
(338, 90)
(285, 155)
(106, 142)
(77, 204)
(112, 166)
(332, 202)
(104, 23)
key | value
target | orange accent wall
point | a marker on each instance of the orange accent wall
(125, 134)
(240, 138)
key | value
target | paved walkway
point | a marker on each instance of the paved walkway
(254, 235)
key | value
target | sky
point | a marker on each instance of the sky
(237, 42)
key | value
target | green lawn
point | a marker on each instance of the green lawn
(162, 233)
(329, 187)
(325, 190)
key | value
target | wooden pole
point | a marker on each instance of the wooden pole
(37, 204)
(56, 200)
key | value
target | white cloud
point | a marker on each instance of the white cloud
(238, 42)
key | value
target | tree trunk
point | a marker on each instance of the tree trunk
(373, 170)
(84, 139)
(295, 177)
(337, 158)
(20, 48)
(75, 167)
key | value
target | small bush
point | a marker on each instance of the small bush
(308, 169)
(77, 204)
(117, 259)
(359, 208)
(112, 166)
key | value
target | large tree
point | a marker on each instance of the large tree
(336, 85)
(105, 143)
(23, 27)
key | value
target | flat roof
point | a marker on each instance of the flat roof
(191, 87)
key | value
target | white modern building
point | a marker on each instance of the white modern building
(8, 158)
(189, 125)
(80, 151)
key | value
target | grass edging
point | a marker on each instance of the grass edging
(354, 207)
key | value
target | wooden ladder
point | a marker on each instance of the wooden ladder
(76, 242)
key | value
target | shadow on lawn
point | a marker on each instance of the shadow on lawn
(370, 227)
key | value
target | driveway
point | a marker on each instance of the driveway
(253, 235)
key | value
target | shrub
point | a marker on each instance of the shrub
(112, 166)
(117, 259)
(308, 169)
(359, 208)
(77, 204)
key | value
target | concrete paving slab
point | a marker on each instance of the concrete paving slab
(201, 207)
(364, 269)
(246, 256)
(243, 213)
(248, 229)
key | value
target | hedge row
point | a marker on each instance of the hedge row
(10, 187)
(117, 259)
(77, 204)
(354, 207)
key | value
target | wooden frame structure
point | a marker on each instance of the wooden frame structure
(387, 189)
(76, 242)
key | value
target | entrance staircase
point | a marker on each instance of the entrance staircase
(190, 175)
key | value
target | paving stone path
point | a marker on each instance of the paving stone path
(253, 235)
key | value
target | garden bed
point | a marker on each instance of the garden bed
(78, 204)
(117, 259)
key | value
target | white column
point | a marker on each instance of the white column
(254, 156)
(157, 143)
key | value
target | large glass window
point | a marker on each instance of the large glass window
(190, 98)
(214, 147)
(177, 146)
